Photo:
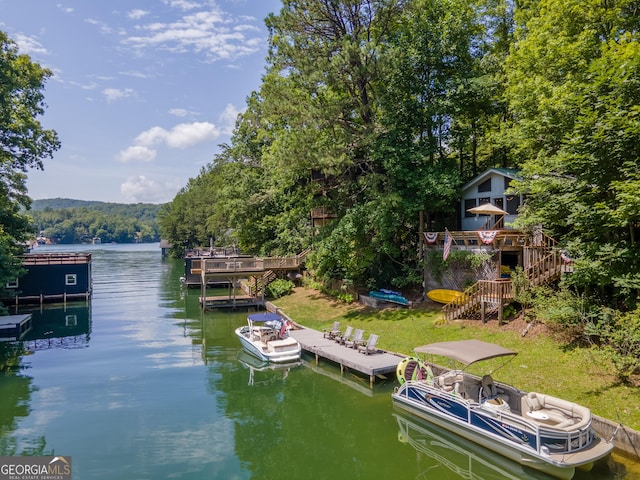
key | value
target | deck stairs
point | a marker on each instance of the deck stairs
(258, 284)
(543, 264)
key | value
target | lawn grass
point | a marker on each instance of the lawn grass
(582, 375)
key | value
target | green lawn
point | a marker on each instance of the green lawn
(581, 375)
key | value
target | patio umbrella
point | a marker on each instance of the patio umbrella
(487, 209)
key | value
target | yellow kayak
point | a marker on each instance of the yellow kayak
(442, 295)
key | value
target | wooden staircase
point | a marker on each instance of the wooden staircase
(259, 283)
(543, 264)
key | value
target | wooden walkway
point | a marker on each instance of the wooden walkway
(373, 365)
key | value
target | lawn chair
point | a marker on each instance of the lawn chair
(358, 339)
(345, 336)
(370, 346)
(333, 333)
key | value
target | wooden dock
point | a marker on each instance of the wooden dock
(14, 327)
(231, 301)
(373, 365)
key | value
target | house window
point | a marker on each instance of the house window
(513, 202)
(485, 186)
(470, 203)
(507, 182)
(13, 284)
(71, 279)
(71, 320)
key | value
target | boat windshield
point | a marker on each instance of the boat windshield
(466, 351)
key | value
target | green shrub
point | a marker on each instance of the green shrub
(279, 288)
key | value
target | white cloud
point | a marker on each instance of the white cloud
(179, 112)
(211, 32)
(113, 94)
(228, 119)
(104, 28)
(182, 4)
(29, 45)
(137, 152)
(181, 136)
(143, 189)
(64, 9)
(137, 14)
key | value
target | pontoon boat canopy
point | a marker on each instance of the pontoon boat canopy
(466, 351)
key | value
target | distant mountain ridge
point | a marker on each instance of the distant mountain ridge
(64, 220)
(62, 203)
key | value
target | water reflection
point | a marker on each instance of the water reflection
(59, 326)
(441, 454)
(272, 372)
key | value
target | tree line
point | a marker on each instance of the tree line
(75, 221)
(378, 111)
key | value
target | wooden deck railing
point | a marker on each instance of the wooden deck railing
(244, 264)
(55, 258)
(542, 264)
(480, 298)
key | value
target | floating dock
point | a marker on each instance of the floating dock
(231, 301)
(14, 327)
(374, 365)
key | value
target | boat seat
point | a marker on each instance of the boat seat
(452, 382)
(556, 412)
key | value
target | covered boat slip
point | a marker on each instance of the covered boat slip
(377, 365)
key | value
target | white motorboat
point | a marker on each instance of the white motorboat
(266, 336)
(542, 432)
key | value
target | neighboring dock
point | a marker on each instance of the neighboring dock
(231, 301)
(14, 327)
(373, 365)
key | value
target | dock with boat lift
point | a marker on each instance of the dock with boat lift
(374, 365)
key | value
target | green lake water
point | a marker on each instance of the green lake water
(139, 383)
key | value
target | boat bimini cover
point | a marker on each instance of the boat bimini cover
(466, 351)
(264, 317)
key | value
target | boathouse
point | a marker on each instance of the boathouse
(52, 277)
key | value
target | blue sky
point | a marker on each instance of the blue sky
(143, 92)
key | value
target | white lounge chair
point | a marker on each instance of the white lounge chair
(345, 336)
(370, 346)
(358, 339)
(334, 332)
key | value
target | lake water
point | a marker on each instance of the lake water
(139, 383)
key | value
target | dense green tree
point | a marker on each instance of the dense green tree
(24, 144)
(573, 84)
